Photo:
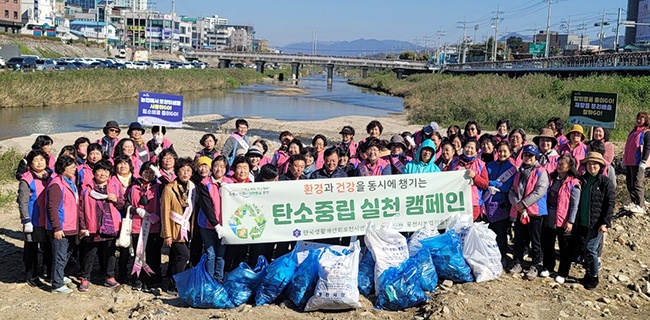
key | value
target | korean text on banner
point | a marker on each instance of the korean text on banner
(328, 208)
(157, 109)
(593, 109)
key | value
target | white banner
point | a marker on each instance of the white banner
(340, 207)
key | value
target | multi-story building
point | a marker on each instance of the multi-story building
(241, 38)
(84, 4)
(37, 17)
(10, 18)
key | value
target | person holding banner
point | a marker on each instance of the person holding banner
(142, 202)
(635, 159)
(236, 254)
(575, 145)
(236, 141)
(331, 167)
(373, 165)
(423, 161)
(177, 203)
(501, 173)
(528, 199)
(208, 141)
(447, 155)
(158, 143)
(397, 158)
(476, 172)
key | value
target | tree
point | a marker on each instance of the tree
(514, 43)
(406, 55)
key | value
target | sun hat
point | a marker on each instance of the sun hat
(430, 128)
(595, 157)
(546, 133)
(396, 139)
(254, 151)
(111, 125)
(577, 128)
(135, 126)
(531, 149)
(204, 160)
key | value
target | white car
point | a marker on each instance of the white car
(140, 65)
(163, 65)
(129, 65)
(2, 63)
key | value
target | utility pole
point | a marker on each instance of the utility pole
(601, 35)
(618, 29)
(496, 34)
(548, 31)
(485, 38)
(475, 29)
(426, 43)
(462, 47)
(171, 34)
(416, 41)
(582, 27)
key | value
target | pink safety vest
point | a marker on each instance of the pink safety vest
(67, 210)
(564, 199)
(579, 152)
(90, 209)
(634, 147)
(152, 207)
(530, 186)
(215, 196)
(320, 160)
(86, 174)
(551, 165)
(37, 204)
(100, 141)
(376, 170)
(477, 166)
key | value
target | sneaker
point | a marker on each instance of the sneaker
(84, 286)
(62, 290)
(636, 209)
(544, 274)
(532, 273)
(591, 283)
(67, 280)
(516, 268)
(628, 206)
(559, 279)
(111, 283)
(172, 290)
(35, 282)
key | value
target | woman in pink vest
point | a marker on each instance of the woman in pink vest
(546, 143)
(447, 155)
(319, 142)
(575, 145)
(476, 171)
(120, 181)
(557, 125)
(210, 216)
(158, 143)
(110, 139)
(517, 139)
(472, 130)
(44, 143)
(62, 219)
(85, 171)
(503, 127)
(142, 202)
(294, 147)
(347, 142)
(635, 158)
(264, 147)
(31, 205)
(373, 165)
(99, 222)
(126, 147)
(528, 200)
(281, 156)
(562, 200)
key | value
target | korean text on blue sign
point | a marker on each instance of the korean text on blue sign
(157, 109)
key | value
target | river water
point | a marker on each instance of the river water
(322, 103)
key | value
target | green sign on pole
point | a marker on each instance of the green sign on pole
(537, 48)
(593, 109)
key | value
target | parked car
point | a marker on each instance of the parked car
(66, 65)
(97, 65)
(129, 65)
(3, 64)
(164, 65)
(22, 63)
(140, 65)
(45, 64)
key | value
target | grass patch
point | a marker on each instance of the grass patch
(527, 101)
(52, 88)
(9, 160)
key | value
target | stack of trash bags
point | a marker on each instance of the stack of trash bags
(397, 270)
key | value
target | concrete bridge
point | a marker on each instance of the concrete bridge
(401, 68)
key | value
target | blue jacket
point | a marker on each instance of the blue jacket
(323, 174)
(495, 170)
(417, 166)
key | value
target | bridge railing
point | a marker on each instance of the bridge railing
(627, 59)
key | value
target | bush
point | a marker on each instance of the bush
(9, 160)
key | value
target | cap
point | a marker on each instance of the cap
(204, 160)
(431, 128)
(254, 151)
(531, 149)
(347, 130)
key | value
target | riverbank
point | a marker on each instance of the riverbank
(528, 102)
(58, 88)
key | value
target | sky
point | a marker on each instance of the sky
(287, 21)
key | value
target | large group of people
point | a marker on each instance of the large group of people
(75, 207)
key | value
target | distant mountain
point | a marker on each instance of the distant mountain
(608, 42)
(525, 38)
(363, 47)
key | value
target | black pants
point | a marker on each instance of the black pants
(532, 231)
(235, 254)
(30, 258)
(179, 255)
(105, 250)
(548, 249)
(122, 264)
(500, 228)
(152, 256)
(634, 182)
(196, 244)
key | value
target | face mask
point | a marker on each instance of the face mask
(158, 139)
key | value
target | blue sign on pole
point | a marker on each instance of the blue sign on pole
(159, 109)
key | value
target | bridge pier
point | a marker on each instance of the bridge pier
(295, 69)
(364, 72)
(260, 66)
(224, 63)
(330, 74)
(399, 72)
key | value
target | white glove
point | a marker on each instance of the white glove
(410, 141)
(493, 190)
(642, 165)
(219, 230)
(98, 196)
(28, 227)
(158, 139)
(141, 212)
(158, 150)
(156, 171)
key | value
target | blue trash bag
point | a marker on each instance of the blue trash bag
(366, 276)
(447, 255)
(242, 282)
(427, 270)
(400, 288)
(199, 289)
(277, 276)
(302, 286)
